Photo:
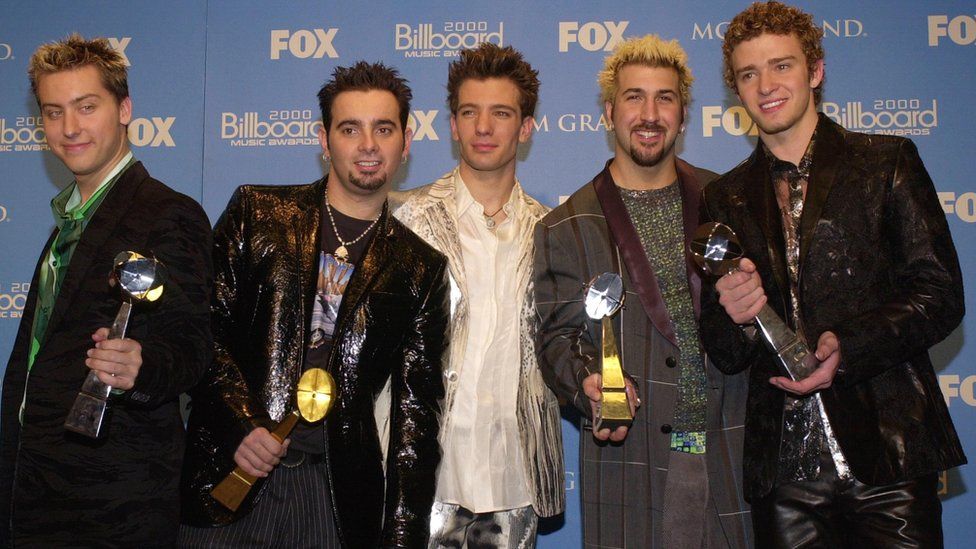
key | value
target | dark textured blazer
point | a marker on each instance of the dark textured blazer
(121, 490)
(392, 326)
(878, 268)
(623, 484)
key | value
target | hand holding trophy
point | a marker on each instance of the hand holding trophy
(716, 250)
(604, 297)
(139, 279)
(315, 397)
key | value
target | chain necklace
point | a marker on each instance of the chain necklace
(342, 253)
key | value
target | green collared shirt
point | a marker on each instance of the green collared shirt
(71, 216)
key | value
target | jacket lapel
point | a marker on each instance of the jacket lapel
(441, 215)
(827, 158)
(762, 202)
(306, 221)
(110, 214)
(632, 252)
(690, 197)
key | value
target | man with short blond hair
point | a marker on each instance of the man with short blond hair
(671, 478)
(60, 488)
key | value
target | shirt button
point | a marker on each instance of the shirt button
(452, 376)
(670, 362)
(666, 428)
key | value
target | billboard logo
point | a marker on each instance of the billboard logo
(422, 124)
(315, 43)
(886, 116)
(26, 134)
(453, 36)
(734, 121)
(288, 127)
(962, 205)
(6, 52)
(954, 387)
(152, 132)
(591, 36)
(840, 28)
(12, 301)
(119, 45)
(961, 29)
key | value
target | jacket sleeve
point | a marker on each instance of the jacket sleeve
(930, 302)
(566, 351)
(223, 388)
(727, 345)
(177, 347)
(417, 390)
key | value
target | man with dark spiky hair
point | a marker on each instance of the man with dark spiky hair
(502, 466)
(321, 276)
(59, 488)
(844, 237)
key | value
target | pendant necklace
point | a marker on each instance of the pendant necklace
(342, 252)
(490, 218)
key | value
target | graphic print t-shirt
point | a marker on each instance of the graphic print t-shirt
(333, 278)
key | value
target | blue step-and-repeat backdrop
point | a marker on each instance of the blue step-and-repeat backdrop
(224, 94)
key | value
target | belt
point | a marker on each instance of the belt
(688, 442)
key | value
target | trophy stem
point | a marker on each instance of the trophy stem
(87, 414)
(791, 350)
(614, 406)
(121, 322)
(234, 488)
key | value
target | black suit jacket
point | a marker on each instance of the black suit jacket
(392, 326)
(121, 490)
(878, 268)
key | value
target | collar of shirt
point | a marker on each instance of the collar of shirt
(465, 201)
(67, 204)
(778, 168)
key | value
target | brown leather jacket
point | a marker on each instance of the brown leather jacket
(392, 325)
(878, 268)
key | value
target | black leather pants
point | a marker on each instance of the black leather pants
(829, 512)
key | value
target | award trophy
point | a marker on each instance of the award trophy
(140, 279)
(604, 296)
(315, 396)
(716, 250)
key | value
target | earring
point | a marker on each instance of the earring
(326, 159)
(403, 159)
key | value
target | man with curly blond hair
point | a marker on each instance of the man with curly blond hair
(844, 237)
(670, 479)
(60, 488)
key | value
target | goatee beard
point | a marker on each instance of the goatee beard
(370, 184)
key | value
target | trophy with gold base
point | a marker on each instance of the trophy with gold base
(140, 279)
(315, 396)
(716, 250)
(604, 297)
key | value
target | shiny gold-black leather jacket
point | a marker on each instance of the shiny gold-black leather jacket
(392, 326)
